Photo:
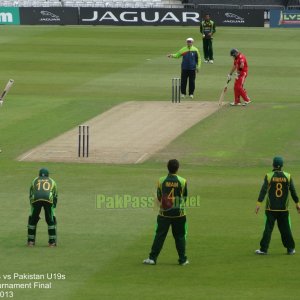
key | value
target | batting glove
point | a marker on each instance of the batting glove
(229, 77)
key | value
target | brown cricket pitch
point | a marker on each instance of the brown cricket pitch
(128, 133)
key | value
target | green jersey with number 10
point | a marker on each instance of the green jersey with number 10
(43, 189)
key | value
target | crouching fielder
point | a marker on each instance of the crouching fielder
(43, 194)
(240, 65)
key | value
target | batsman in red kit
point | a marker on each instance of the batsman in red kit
(240, 65)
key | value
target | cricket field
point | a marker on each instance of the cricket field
(65, 76)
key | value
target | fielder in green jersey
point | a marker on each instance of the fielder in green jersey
(277, 186)
(208, 29)
(42, 194)
(171, 195)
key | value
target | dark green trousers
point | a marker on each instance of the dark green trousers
(35, 217)
(179, 233)
(283, 223)
(208, 49)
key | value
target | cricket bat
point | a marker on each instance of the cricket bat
(222, 96)
(5, 91)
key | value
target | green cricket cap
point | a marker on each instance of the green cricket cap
(44, 172)
(277, 162)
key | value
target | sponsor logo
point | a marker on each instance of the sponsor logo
(6, 17)
(9, 15)
(141, 17)
(289, 18)
(231, 18)
(48, 16)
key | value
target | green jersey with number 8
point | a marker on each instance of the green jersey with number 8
(277, 185)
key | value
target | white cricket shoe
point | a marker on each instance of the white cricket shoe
(235, 104)
(291, 251)
(192, 96)
(259, 252)
(182, 96)
(149, 261)
(211, 61)
(184, 263)
(206, 61)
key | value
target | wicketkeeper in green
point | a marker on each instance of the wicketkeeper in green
(42, 194)
(171, 194)
(277, 185)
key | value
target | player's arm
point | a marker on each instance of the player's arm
(201, 28)
(31, 190)
(214, 28)
(177, 54)
(55, 193)
(198, 60)
(197, 57)
(231, 72)
(185, 192)
(241, 66)
(159, 192)
(262, 194)
(232, 69)
(294, 195)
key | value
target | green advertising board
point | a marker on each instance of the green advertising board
(9, 16)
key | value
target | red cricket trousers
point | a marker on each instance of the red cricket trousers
(239, 90)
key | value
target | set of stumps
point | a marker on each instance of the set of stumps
(83, 140)
(176, 91)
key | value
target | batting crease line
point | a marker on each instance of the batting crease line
(141, 158)
(24, 157)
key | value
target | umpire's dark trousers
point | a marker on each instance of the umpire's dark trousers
(179, 233)
(208, 49)
(36, 208)
(283, 223)
(185, 76)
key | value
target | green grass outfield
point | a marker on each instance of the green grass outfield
(66, 75)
